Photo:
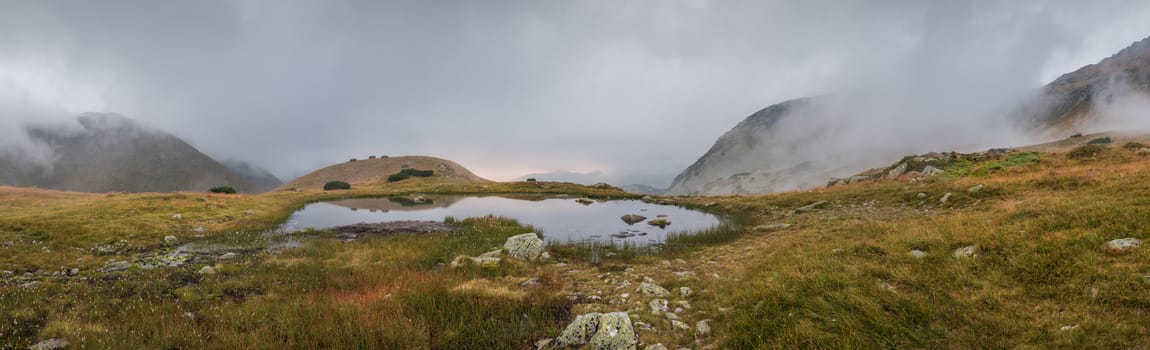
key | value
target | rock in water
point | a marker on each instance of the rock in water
(526, 246)
(632, 219)
(607, 331)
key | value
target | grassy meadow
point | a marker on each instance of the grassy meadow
(841, 276)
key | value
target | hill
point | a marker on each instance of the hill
(368, 172)
(789, 146)
(112, 153)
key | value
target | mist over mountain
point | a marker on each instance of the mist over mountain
(112, 153)
(801, 143)
(260, 179)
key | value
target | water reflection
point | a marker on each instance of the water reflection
(560, 219)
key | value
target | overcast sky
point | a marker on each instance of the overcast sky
(511, 87)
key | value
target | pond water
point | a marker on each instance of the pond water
(561, 220)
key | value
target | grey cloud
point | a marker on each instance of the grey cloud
(622, 87)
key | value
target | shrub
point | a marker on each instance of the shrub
(1085, 151)
(352, 160)
(1134, 146)
(406, 173)
(222, 189)
(530, 179)
(336, 185)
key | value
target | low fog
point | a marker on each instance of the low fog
(634, 90)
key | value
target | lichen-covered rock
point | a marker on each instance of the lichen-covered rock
(680, 325)
(918, 254)
(207, 270)
(686, 291)
(658, 346)
(50, 344)
(653, 290)
(966, 252)
(659, 306)
(171, 240)
(1122, 245)
(600, 331)
(526, 246)
(703, 327)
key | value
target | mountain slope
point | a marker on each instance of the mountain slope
(112, 153)
(1071, 100)
(786, 146)
(260, 179)
(366, 172)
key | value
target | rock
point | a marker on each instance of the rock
(117, 266)
(1068, 328)
(206, 270)
(658, 306)
(945, 198)
(171, 240)
(810, 207)
(897, 171)
(1144, 151)
(966, 252)
(178, 217)
(975, 188)
(531, 283)
(486, 261)
(703, 327)
(29, 284)
(918, 254)
(50, 344)
(584, 201)
(653, 290)
(671, 316)
(1122, 245)
(606, 331)
(73, 272)
(921, 195)
(647, 198)
(684, 304)
(227, 256)
(656, 346)
(543, 344)
(686, 291)
(632, 219)
(419, 200)
(932, 171)
(7, 274)
(526, 246)
(492, 254)
(680, 325)
(199, 230)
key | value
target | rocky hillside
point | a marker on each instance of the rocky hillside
(779, 148)
(374, 171)
(111, 153)
(1069, 101)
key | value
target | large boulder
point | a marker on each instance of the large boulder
(600, 331)
(653, 290)
(526, 246)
